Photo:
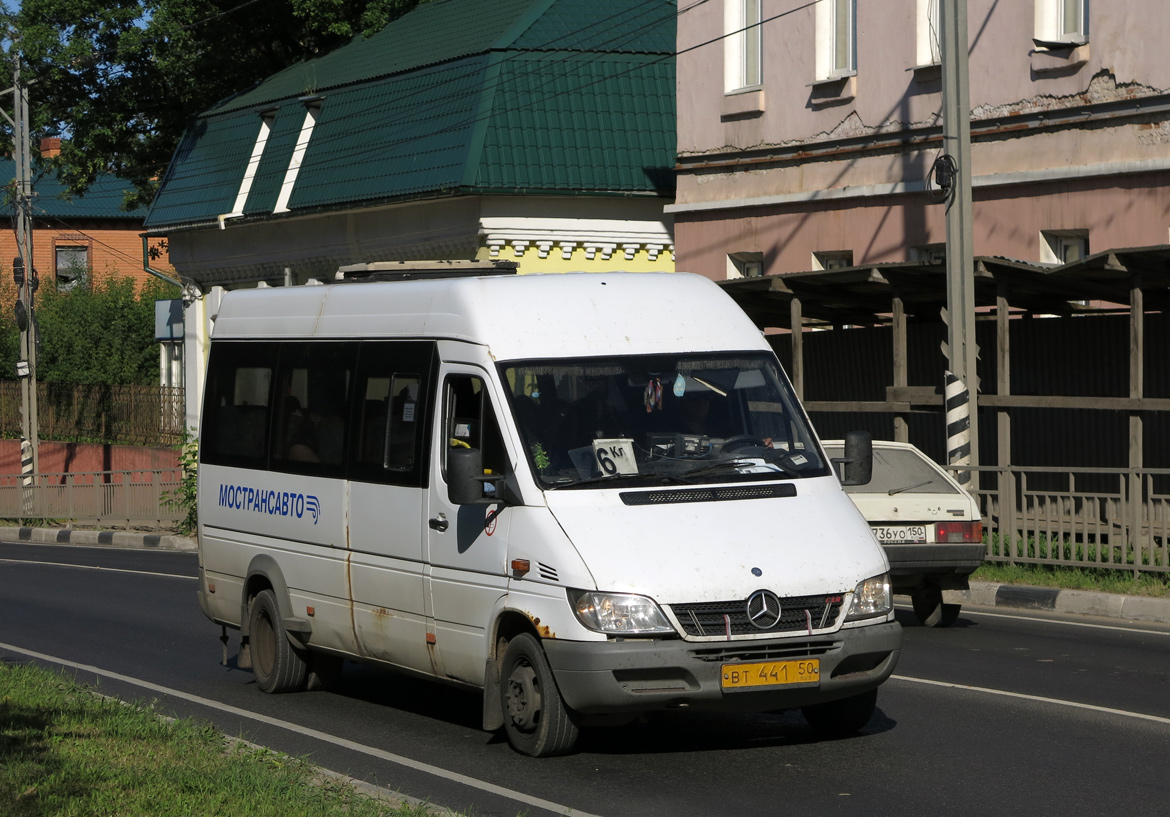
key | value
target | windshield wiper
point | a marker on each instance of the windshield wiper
(893, 491)
(735, 464)
(622, 478)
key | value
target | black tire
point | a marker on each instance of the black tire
(931, 610)
(277, 665)
(843, 717)
(536, 719)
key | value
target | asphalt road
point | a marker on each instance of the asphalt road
(1001, 714)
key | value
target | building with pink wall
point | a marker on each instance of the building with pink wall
(806, 134)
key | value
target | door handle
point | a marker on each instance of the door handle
(439, 522)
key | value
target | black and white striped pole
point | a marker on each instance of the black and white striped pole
(962, 382)
(958, 427)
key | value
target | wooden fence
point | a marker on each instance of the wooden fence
(1116, 518)
(129, 415)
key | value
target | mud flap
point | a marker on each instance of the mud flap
(493, 712)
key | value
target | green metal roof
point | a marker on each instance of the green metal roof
(52, 200)
(458, 96)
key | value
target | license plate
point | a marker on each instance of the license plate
(771, 673)
(900, 534)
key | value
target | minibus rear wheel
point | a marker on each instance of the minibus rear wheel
(277, 665)
(536, 719)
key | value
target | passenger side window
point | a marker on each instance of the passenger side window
(470, 422)
(390, 427)
(312, 407)
(236, 403)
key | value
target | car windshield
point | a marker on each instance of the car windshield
(686, 419)
(897, 471)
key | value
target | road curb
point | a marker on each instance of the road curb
(1058, 600)
(97, 538)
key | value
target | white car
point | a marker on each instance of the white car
(927, 523)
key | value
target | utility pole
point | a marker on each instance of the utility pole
(962, 384)
(25, 276)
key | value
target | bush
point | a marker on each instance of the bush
(99, 332)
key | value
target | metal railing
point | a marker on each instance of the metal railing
(1076, 517)
(129, 415)
(111, 498)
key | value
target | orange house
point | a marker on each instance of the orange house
(90, 235)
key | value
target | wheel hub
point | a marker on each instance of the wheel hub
(523, 698)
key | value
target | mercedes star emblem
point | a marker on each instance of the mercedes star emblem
(763, 609)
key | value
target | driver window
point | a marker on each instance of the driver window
(470, 422)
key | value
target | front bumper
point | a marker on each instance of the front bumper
(644, 675)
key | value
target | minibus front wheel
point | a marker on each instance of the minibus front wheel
(536, 719)
(277, 665)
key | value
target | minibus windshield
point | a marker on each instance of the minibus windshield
(686, 419)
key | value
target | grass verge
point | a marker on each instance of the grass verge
(65, 751)
(1073, 578)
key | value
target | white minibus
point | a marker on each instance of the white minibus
(589, 495)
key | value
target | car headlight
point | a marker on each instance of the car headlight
(871, 597)
(620, 614)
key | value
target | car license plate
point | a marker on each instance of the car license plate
(771, 673)
(900, 534)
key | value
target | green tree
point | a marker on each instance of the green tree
(100, 333)
(121, 78)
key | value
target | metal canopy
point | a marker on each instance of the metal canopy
(864, 295)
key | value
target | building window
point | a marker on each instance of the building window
(837, 259)
(929, 254)
(929, 33)
(1063, 246)
(836, 32)
(72, 266)
(745, 265)
(741, 20)
(1061, 22)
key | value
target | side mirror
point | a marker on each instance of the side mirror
(857, 464)
(466, 481)
(464, 473)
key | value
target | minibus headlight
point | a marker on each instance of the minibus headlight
(620, 614)
(872, 597)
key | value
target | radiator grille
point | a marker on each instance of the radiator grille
(797, 613)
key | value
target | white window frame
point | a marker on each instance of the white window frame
(832, 259)
(929, 33)
(836, 39)
(1062, 22)
(745, 265)
(742, 44)
(1054, 243)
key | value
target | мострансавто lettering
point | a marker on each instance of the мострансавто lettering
(274, 503)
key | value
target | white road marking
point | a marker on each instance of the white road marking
(325, 737)
(97, 567)
(1036, 698)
